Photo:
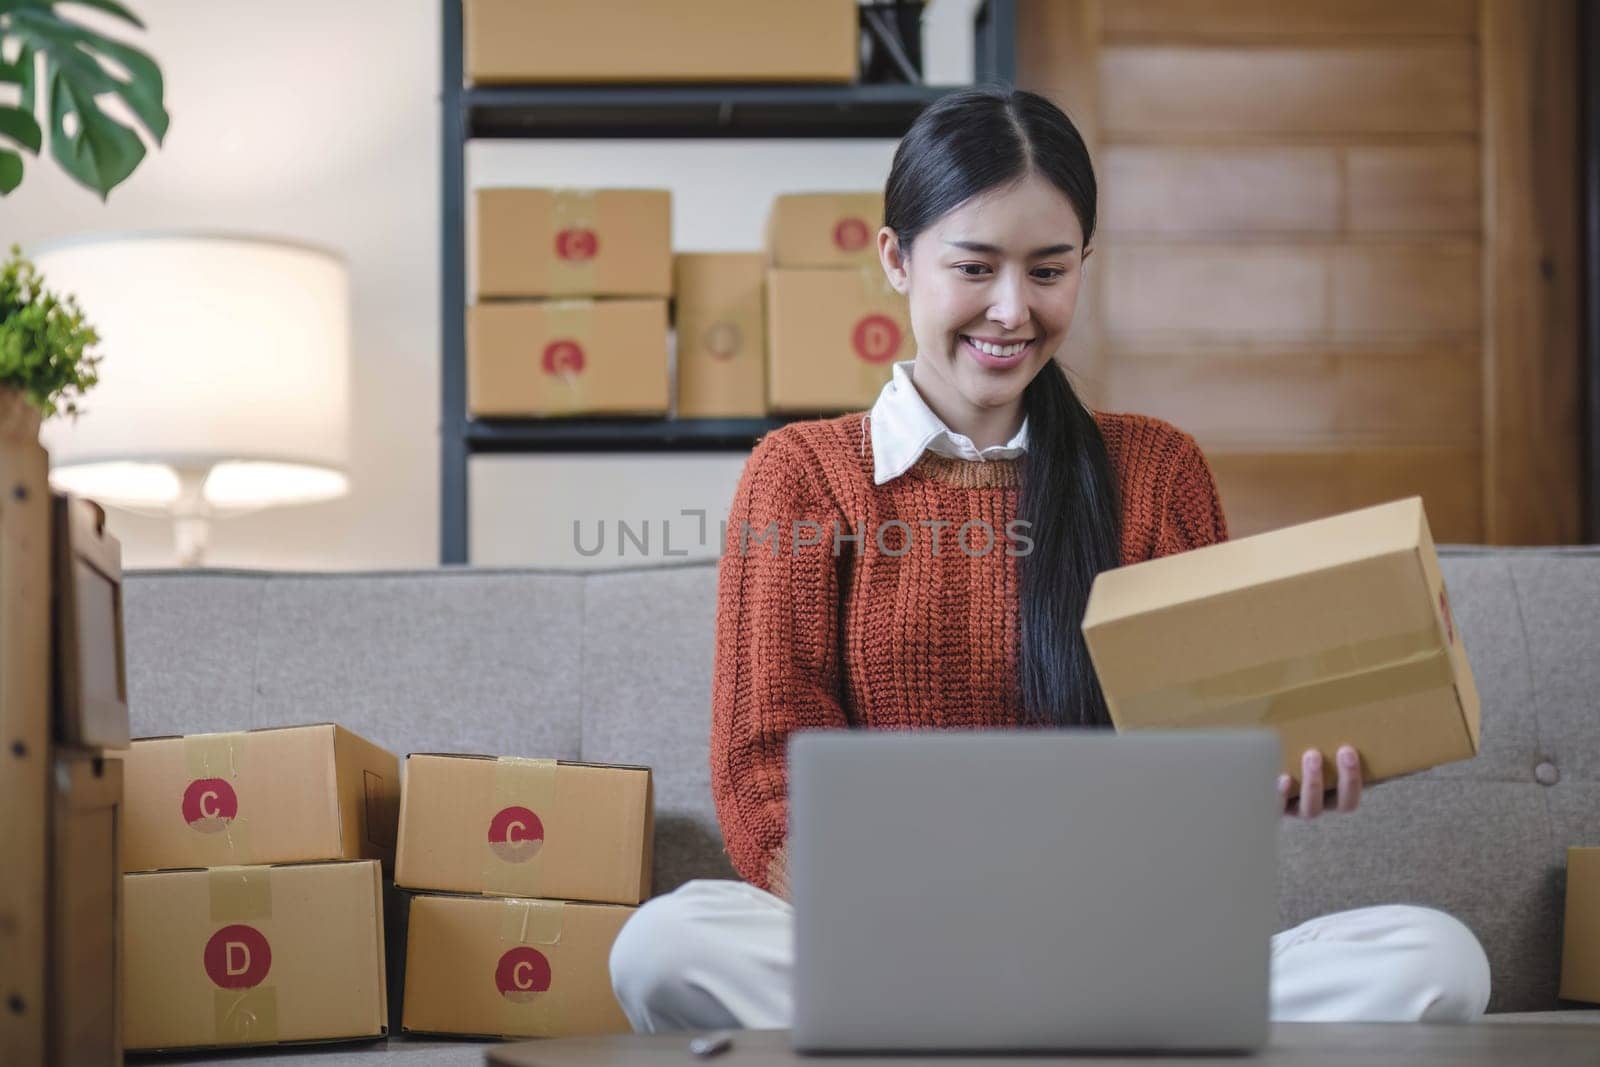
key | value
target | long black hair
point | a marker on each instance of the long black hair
(965, 144)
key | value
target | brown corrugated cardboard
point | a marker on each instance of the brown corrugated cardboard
(85, 1013)
(254, 955)
(648, 41)
(720, 316)
(824, 229)
(526, 827)
(1331, 632)
(573, 242)
(832, 338)
(91, 699)
(1580, 932)
(567, 357)
(261, 796)
(504, 967)
(25, 724)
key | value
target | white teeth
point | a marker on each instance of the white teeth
(997, 350)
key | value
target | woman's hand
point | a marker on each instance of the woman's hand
(778, 872)
(1307, 801)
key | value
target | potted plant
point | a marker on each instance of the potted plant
(46, 365)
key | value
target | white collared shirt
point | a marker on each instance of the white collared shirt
(904, 427)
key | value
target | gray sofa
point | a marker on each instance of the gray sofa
(615, 666)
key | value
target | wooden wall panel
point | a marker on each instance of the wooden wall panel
(1264, 491)
(1245, 19)
(1404, 189)
(1198, 189)
(1230, 91)
(1307, 398)
(1414, 287)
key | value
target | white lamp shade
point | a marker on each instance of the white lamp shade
(222, 354)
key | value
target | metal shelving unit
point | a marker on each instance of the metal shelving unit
(631, 111)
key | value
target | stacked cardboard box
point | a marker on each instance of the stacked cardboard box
(1580, 931)
(63, 706)
(721, 329)
(570, 308)
(1331, 632)
(835, 326)
(254, 898)
(523, 871)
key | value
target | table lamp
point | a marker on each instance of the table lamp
(224, 386)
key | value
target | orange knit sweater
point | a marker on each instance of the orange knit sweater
(913, 626)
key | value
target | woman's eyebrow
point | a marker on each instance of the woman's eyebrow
(993, 250)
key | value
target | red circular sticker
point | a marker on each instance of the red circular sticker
(209, 805)
(522, 974)
(516, 834)
(238, 957)
(577, 243)
(563, 357)
(876, 338)
(850, 235)
(723, 341)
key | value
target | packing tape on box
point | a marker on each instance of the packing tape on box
(513, 853)
(574, 236)
(1351, 675)
(242, 896)
(565, 372)
(219, 840)
(527, 982)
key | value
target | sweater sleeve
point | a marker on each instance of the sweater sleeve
(777, 663)
(1191, 515)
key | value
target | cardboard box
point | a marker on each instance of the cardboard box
(647, 41)
(824, 229)
(25, 580)
(91, 699)
(504, 967)
(85, 1010)
(526, 828)
(568, 357)
(722, 334)
(573, 242)
(833, 337)
(1330, 632)
(280, 795)
(254, 955)
(1580, 932)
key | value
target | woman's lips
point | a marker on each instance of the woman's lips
(993, 362)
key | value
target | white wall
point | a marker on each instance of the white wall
(319, 121)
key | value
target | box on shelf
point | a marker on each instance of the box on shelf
(279, 795)
(1580, 932)
(833, 337)
(507, 967)
(567, 357)
(824, 229)
(721, 326)
(91, 698)
(86, 991)
(254, 955)
(573, 242)
(526, 828)
(646, 41)
(1331, 632)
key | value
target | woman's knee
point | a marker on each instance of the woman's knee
(1449, 968)
(660, 944)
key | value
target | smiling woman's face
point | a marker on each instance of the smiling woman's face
(999, 271)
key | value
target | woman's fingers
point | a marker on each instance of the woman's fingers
(1349, 779)
(1311, 784)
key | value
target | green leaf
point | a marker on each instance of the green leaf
(103, 152)
(21, 127)
(73, 46)
(144, 91)
(10, 170)
(110, 7)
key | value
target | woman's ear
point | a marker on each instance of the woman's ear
(895, 266)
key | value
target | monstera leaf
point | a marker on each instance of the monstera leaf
(80, 67)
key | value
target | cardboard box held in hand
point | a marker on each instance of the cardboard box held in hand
(1330, 632)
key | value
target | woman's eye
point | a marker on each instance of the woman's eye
(968, 268)
(1048, 274)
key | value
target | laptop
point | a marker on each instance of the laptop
(1033, 890)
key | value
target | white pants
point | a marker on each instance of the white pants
(718, 955)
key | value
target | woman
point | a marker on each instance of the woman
(855, 590)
